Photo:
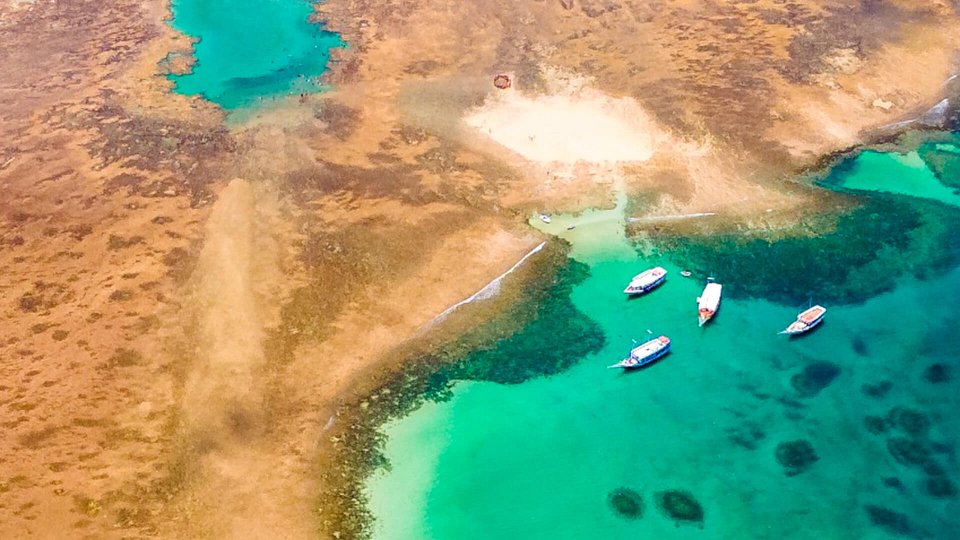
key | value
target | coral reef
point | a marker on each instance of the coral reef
(937, 373)
(940, 487)
(796, 456)
(878, 390)
(875, 424)
(907, 451)
(626, 502)
(909, 421)
(814, 378)
(680, 506)
(888, 520)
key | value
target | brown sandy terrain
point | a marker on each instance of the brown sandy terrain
(184, 305)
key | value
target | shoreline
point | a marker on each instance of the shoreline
(350, 449)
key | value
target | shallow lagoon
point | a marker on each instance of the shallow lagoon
(866, 402)
(250, 50)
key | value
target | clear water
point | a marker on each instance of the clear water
(250, 50)
(905, 174)
(539, 459)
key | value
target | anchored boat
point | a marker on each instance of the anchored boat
(646, 281)
(806, 321)
(645, 354)
(709, 302)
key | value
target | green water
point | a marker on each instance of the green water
(250, 50)
(539, 457)
(931, 172)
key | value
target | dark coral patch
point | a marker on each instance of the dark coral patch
(907, 451)
(940, 487)
(909, 420)
(680, 506)
(796, 456)
(894, 482)
(814, 378)
(937, 373)
(878, 390)
(626, 503)
(888, 520)
(875, 424)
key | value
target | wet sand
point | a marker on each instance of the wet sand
(175, 340)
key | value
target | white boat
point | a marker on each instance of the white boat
(545, 218)
(709, 302)
(646, 280)
(645, 354)
(685, 273)
(806, 321)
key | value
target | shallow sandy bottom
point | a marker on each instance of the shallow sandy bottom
(580, 125)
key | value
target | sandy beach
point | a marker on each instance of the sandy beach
(187, 302)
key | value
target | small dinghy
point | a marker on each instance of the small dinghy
(685, 273)
(709, 302)
(806, 321)
(645, 354)
(545, 218)
(646, 281)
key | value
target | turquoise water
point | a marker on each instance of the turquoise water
(904, 174)
(250, 50)
(866, 403)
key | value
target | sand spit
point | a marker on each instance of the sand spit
(573, 137)
(578, 125)
(221, 386)
(223, 405)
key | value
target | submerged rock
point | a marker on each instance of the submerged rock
(814, 378)
(680, 506)
(878, 390)
(907, 451)
(748, 436)
(796, 456)
(860, 346)
(888, 520)
(937, 373)
(875, 424)
(626, 503)
(940, 487)
(909, 420)
(894, 482)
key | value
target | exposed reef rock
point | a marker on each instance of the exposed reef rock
(626, 503)
(796, 456)
(814, 378)
(680, 506)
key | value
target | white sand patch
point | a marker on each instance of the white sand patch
(578, 124)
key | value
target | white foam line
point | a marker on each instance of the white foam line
(676, 216)
(488, 290)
